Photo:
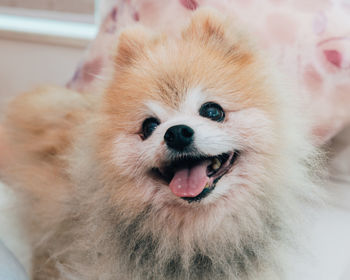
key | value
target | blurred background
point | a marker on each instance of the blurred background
(42, 41)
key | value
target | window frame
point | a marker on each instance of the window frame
(69, 29)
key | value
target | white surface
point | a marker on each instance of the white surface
(327, 250)
(10, 230)
(329, 232)
(10, 268)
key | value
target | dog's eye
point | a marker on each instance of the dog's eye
(212, 111)
(149, 125)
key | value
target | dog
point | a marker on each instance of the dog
(192, 163)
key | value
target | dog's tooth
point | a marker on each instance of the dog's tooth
(216, 164)
(207, 185)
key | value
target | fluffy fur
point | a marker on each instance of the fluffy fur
(93, 211)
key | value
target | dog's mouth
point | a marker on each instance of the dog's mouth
(192, 178)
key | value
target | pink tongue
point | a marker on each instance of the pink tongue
(190, 182)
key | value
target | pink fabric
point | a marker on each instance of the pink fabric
(310, 40)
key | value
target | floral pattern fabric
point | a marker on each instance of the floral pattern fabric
(309, 41)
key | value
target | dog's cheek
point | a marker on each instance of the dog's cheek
(126, 154)
(133, 156)
(256, 135)
(255, 130)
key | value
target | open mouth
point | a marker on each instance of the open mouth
(193, 178)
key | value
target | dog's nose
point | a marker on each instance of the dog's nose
(178, 137)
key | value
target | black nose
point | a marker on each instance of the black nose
(178, 137)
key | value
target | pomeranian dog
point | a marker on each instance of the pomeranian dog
(192, 163)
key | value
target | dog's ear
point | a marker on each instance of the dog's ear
(206, 24)
(132, 43)
(209, 27)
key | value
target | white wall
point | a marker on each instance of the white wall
(23, 65)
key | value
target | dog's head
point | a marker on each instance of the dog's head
(197, 123)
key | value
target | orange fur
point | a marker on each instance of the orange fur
(92, 210)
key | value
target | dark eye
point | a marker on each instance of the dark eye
(149, 125)
(212, 111)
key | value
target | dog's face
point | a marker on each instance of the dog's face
(197, 156)
(192, 124)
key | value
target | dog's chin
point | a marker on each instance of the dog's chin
(216, 167)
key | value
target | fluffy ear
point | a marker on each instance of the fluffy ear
(132, 43)
(206, 24)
